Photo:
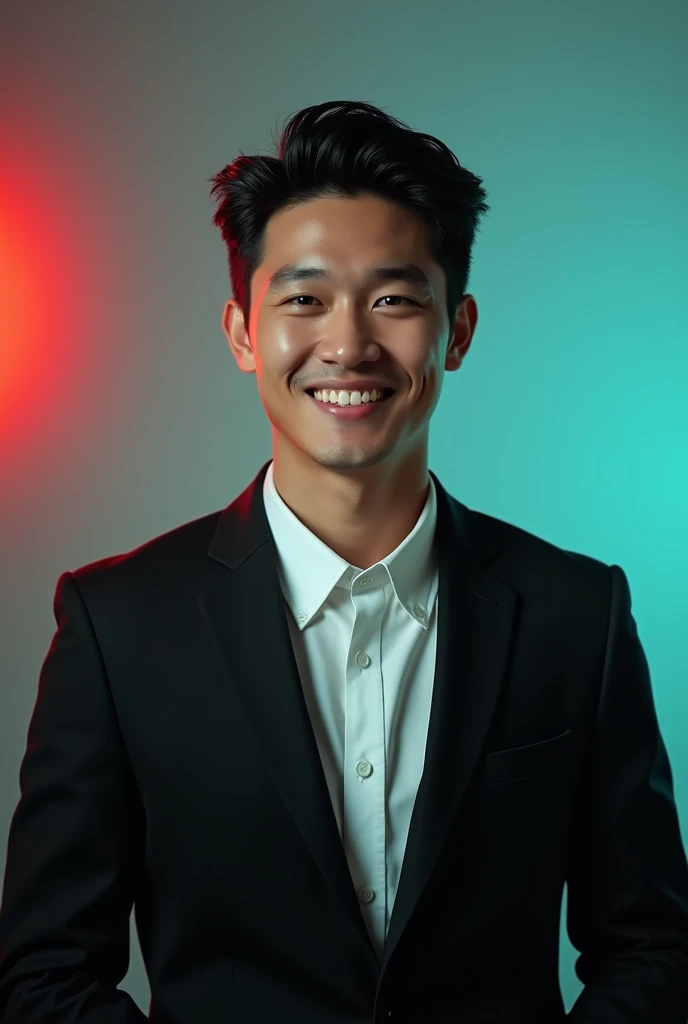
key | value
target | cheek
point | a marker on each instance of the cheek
(284, 344)
(414, 344)
(422, 363)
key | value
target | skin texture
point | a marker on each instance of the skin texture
(358, 485)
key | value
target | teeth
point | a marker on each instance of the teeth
(348, 397)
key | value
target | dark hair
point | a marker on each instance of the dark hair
(347, 148)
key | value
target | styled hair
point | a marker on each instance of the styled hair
(349, 148)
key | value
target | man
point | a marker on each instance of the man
(342, 743)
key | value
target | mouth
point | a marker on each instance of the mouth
(380, 393)
(358, 410)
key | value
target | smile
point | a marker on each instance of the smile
(362, 406)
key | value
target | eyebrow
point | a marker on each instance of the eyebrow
(297, 273)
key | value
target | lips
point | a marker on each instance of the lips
(353, 386)
(343, 413)
(386, 392)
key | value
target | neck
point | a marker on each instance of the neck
(362, 514)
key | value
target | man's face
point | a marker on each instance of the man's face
(354, 329)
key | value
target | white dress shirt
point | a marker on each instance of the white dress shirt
(364, 642)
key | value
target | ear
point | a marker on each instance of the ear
(237, 335)
(462, 333)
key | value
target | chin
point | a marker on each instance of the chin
(350, 456)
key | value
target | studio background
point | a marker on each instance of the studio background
(122, 412)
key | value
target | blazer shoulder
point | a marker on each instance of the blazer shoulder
(163, 560)
(519, 547)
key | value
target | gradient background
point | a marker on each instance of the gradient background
(122, 412)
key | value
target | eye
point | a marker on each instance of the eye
(403, 298)
(289, 301)
(295, 298)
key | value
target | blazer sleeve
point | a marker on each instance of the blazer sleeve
(627, 911)
(74, 844)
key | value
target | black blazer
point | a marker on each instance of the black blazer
(171, 765)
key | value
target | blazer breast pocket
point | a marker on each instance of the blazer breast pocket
(535, 760)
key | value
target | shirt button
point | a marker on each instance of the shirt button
(366, 894)
(362, 659)
(421, 612)
(302, 615)
(365, 580)
(364, 769)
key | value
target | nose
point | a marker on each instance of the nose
(347, 340)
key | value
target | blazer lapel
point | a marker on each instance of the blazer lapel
(244, 609)
(474, 629)
(245, 612)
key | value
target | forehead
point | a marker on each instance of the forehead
(346, 234)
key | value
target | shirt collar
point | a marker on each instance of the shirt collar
(309, 570)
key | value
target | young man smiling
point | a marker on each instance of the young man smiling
(374, 331)
(342, 743)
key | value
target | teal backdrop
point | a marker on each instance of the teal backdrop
(122, 412)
